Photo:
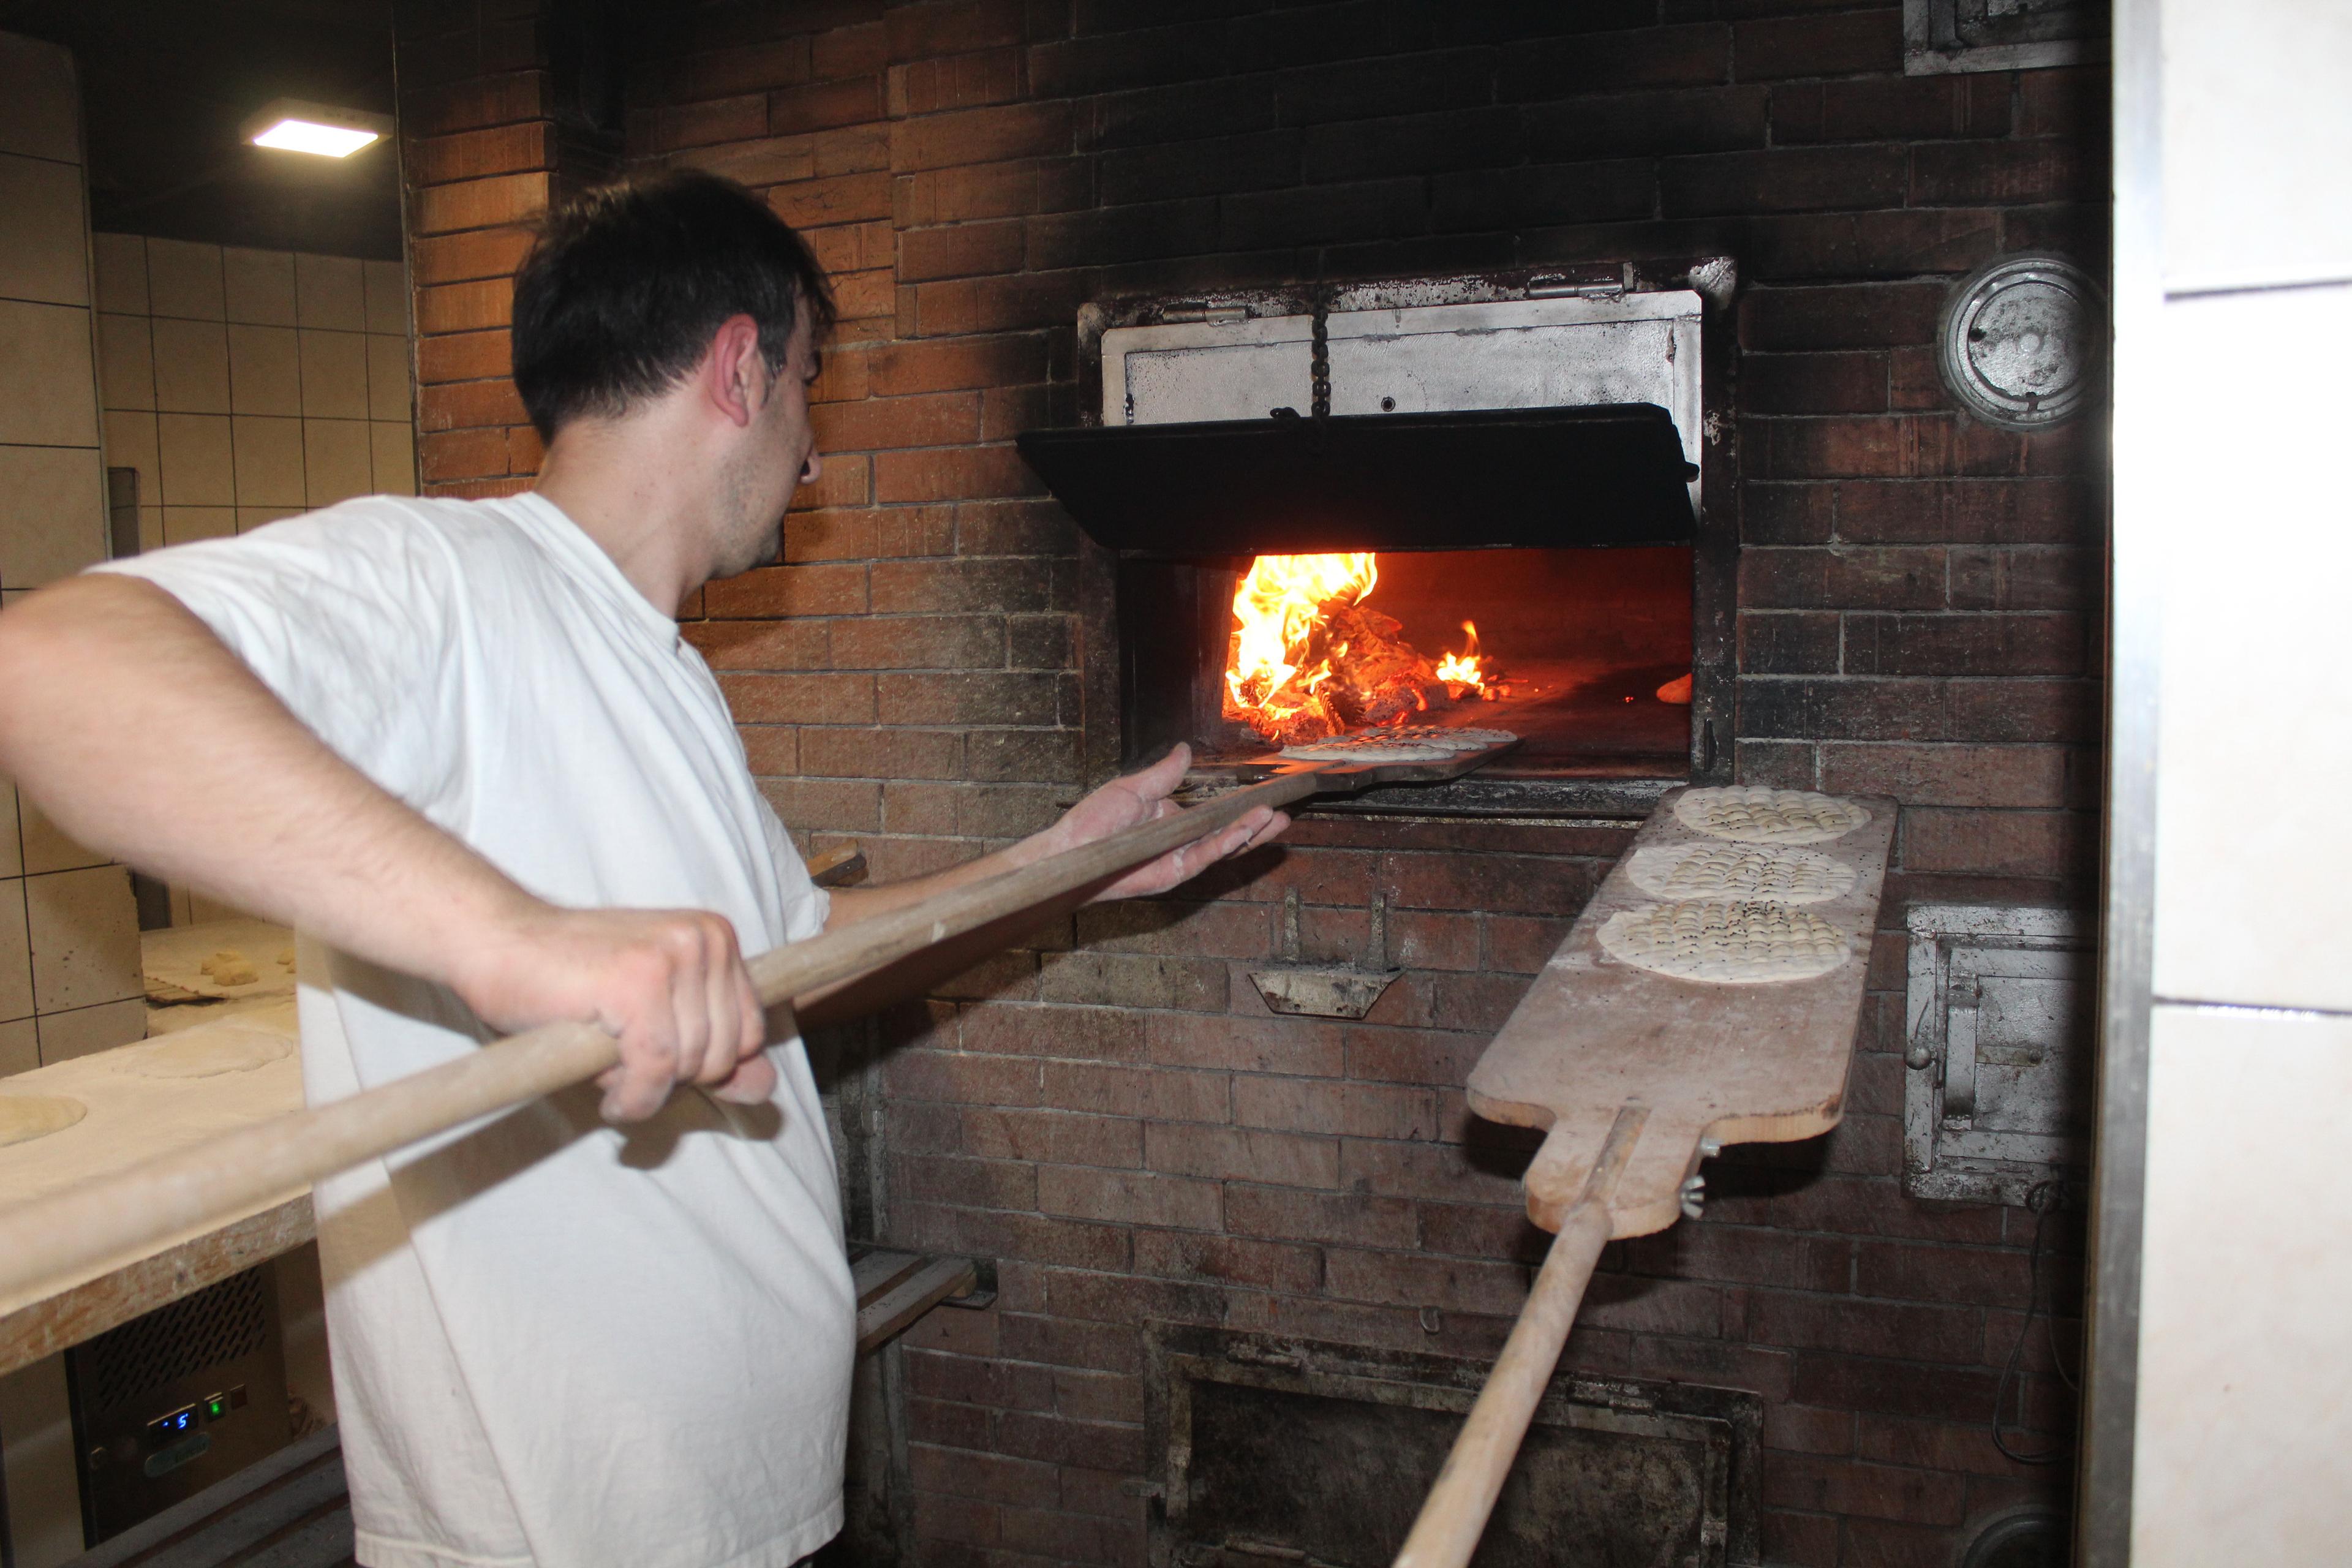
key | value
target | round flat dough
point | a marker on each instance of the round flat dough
(1760, 815)
(1745, 944)
(1772, 872)
(1452, 739)
(25, 1117)
(204, 1054)
(1343, 749)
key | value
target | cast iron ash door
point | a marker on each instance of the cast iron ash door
(1266, 1450)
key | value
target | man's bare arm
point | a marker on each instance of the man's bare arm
(1121, 804)
(142, 736)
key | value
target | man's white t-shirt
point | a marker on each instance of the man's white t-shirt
(555, 1343)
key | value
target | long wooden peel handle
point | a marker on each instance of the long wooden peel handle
(54, 1237)
(1455, 1513)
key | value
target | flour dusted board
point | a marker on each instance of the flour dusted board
(1733, 1063)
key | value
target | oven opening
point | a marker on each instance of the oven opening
(1585, 654)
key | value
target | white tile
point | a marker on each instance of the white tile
(387, 364)
(86, 1031)
(395, 456)
(126, 362)
(16, 953)
(131, 444)
(46, 846)
(336, 460)
(190, 367)
(52, 513)
(48, 397)
(331, 292)
(122, 263)
(198, 467)
(151, 529)
(12, 860)
(334, 375)
(2244, 1393)
(186, 524)
(249, 518)
(264, 369)
(85, 937)
(40, 110)
(269, 461)
(387, 297)
(44, 242)
(259, 285)
(20, 1046)
(184, 279)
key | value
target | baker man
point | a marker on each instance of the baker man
(461, 747)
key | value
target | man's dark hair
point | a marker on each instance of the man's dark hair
(623, 288)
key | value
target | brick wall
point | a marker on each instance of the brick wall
(1112, 1111)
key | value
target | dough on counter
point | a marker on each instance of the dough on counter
(1774, 873)
(207, 1053)
(25, 1117)
(1762, 816)
(1745, 944)
(229, 967)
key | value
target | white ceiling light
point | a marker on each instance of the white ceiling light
(293, 126)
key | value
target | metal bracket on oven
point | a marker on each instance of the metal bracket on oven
(1960, 1050)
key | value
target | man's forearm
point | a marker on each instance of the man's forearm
(143, 737)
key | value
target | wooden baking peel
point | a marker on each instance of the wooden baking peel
(1636, 1077)
(64, 1238)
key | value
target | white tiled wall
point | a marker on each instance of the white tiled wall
(246, 385)
(52, 484)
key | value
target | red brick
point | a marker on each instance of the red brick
(743, 68)
(1841, 578)
(1132, 1091)
(476, 154)
(1852, 246)
(1051, 1438)
(1317, 1105)
(953, 27)
(960, 1520)
(1247, 1155)
(459, 257)
(952, 473)
(495, 100)
(1998, 843)
(800, 699)
(1967, 512)
(920, 642)
(1010, 1238)
(765, 645)
(991, 135)
(1407, 1279)
(991, 190)
(771, 750)
(1850, 316)
(823, 589)
(1410, 1056)
(1057, 1341)
(958, 82)
(1912, 108)
(963, 1079)
(982, 1184)
(469, 406)
(1963, 1449)
(1801, 1429)
(822, 106)
(1523, 944)
(1353, 1218)
(463, 308)
(1137, 981)
(1801, 1540)
(848, 198)
(1069, 1538)
(1787, 644)
(1133, 1197)
(1802, 179)
(991, 1478)
(1426, 1171)
(462, 356)
(1112, 1299)
(1910, 1332)
(462, 454)
(1651, 125)
(1061, 1138)
(2072, 102)
(1296, 1047)
(2026, 578)
(1840, 45)
(1814, 384)
(1873, 1491)
(899, 369)
(2040, 644)
(1005, 1385)
(1697, 54)
(1270, 1265)
(481, 203)
(1948, 775)
(1084, 1034)
(2009, 172)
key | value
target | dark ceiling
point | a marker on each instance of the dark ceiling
(166, 85)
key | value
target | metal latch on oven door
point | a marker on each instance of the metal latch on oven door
(1960, 1050)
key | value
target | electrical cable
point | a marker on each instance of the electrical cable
(2041, 1198)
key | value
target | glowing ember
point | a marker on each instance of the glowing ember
(1308, 659)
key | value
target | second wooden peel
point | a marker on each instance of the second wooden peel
(1635, 1078)
(1451, 1521)
(51, 1239)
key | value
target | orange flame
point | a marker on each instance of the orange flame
(1461, 671)
(1274, 675)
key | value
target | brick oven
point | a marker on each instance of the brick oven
(1906, 604)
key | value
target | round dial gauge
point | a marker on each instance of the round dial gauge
(2022, 340)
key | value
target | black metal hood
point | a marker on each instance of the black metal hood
(1606, 474)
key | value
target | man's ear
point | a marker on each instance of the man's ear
(735, 376)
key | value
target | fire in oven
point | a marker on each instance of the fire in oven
(1395, 508)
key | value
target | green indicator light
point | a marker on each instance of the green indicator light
(216, 1408)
